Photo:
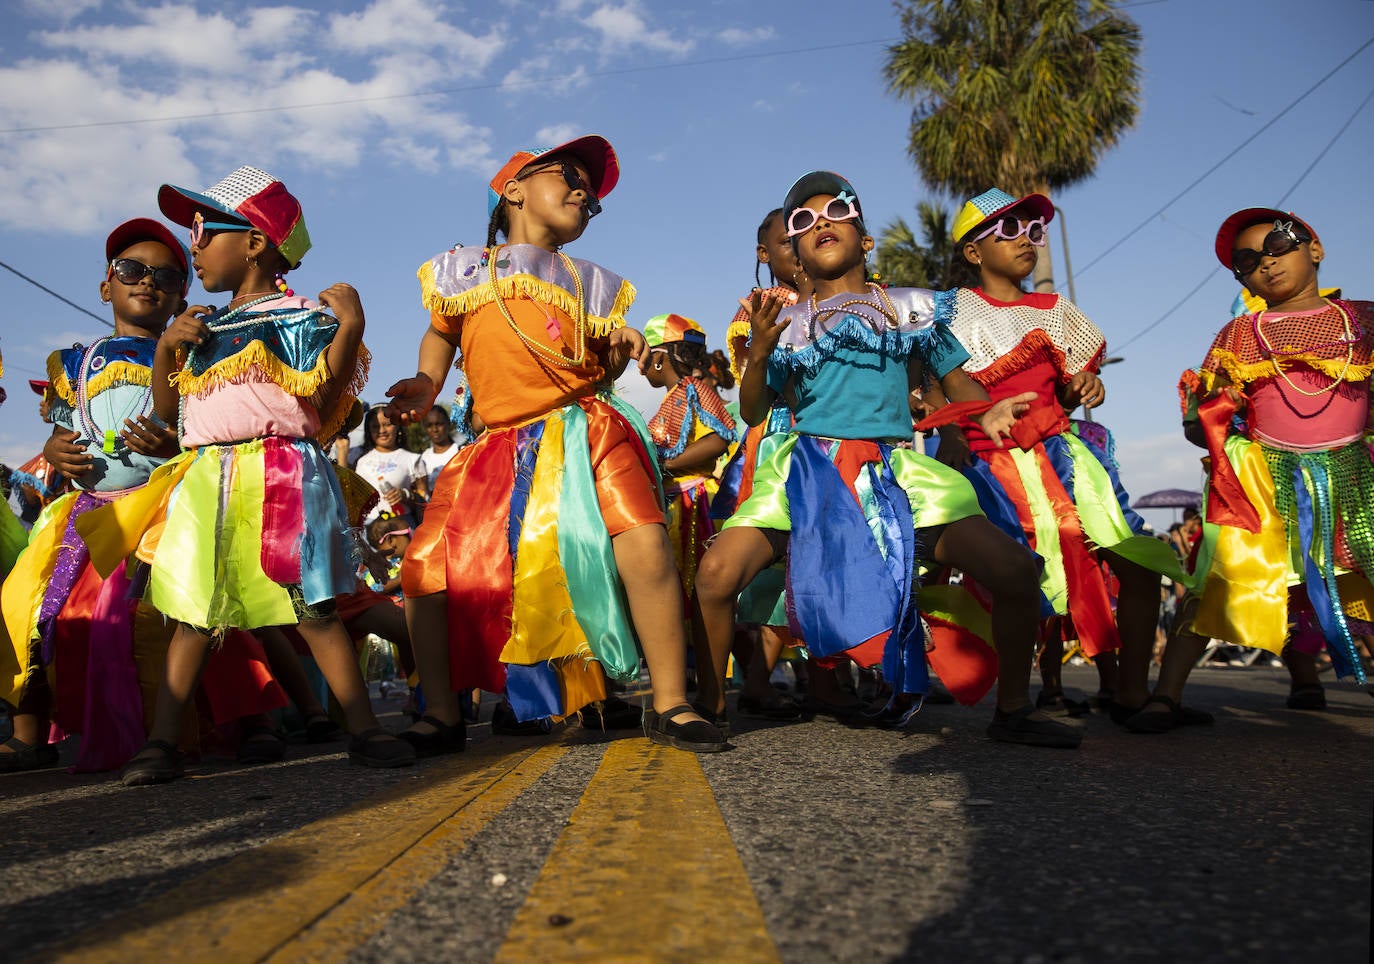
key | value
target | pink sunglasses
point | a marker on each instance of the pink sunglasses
(1009, 229)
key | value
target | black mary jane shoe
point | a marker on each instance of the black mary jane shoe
(365, 748)
(446, 738)
(23, 756)
(695, 736)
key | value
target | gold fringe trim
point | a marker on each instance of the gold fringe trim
(255, 354)
(332, 420)
(57, 379)
(1242, 374)
(530, 287)
(736, 331)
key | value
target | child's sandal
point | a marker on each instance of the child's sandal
(695, 736)
(378, 748)
(157, 761)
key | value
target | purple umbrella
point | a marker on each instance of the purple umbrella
(1169, 499)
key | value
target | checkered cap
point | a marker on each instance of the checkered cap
(250, 195)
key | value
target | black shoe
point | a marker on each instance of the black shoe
(696, 736)
(26, 757)
(1309, 696)
(1018, 727)
(156, 762)
(611, 714)
(444, 739)
(780, 708)
(378, 748)
(1055, 703)
(260, 744)
(506, 723)
(321, 729)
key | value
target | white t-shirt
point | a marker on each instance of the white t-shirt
(435, 461)
(399, 468)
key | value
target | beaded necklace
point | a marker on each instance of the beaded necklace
(1348, 341)
(579, 320)
(890, 312)
(110, 442)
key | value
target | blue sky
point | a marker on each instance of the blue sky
(714, 108)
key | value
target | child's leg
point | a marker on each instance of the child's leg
(287, 668)
(32, 716)
(388, 622)
(1007, 570)
(644, 558)
(735, 557)
(333, 651)
(187, 655)
(427, 623)
(1137, 611)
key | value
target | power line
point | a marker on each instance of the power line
(620, 71)
(1279, 204)
(44, 287)
(1232, 153)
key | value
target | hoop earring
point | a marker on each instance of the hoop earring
(658, 365)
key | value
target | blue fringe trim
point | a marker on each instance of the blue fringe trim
(697, 412)
(855, 332)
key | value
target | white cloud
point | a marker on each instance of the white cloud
(391, 25)
(739, 37)
(623, 27)
(63, 10)
(556, 134)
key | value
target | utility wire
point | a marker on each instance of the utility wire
(1234, 151)
(620, 71)
(36, 284)
(1279, 204)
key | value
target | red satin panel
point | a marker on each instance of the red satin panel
(965, 663)
(283, 511)
(238, 682)
(71, 650)
(621, 465)
(1227, 503)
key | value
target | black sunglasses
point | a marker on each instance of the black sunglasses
(574, 181)
(131, 272)
(1280, 241)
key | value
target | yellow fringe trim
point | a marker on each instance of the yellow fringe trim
(736, 331)
(530, 287)
(57, 380)
(115, 373)
(1242, 374)
(255, 355)
(332, 420)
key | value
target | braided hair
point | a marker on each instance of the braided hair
(763, 239)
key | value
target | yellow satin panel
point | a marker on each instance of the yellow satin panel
(1054, 580)
(543, 626)
(1245, 594)
(581, 681)
(22, 596)
(113, 532)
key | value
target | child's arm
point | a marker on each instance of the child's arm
(1085, 388)
(342, 354)
(953, 449)
(185, 329)
(699, 455)
(66, 456)
(755, 397)
(412, 398)
(622, 345)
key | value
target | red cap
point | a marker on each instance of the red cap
(1238, 222)
(593, 150)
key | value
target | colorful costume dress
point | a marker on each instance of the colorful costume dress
(1289, 526)
(1052, 490)
(248, 527)
(518, 530)
(103, 650)
(857, 500)
(691, 412)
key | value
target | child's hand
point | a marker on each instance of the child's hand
(154, 439)
(622, 345)
(411, 398)
(344, 301)
(764, 308)
(69, 458)
(1084, 389)
(186, 329)
(997, 421)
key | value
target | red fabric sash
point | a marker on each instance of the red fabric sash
(283, 511)
(1227, 503)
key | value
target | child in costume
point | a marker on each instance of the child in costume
(1283, 411)
(691, 430)
(540, 531)
(843, 493)
(248, 527)
(1062, 491)
(13, 537)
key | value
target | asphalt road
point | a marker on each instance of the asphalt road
(1248, 841)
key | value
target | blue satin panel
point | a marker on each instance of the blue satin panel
(282, 332)
(1062, 461)
(327, 557)
(533, 691)
(904, 655)
(526, 452)
(1315, 522)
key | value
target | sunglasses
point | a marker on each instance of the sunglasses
(200, 227)
(130, 272)
(1009, 229)
(574, 181)
(1280, 241)
(843, 207)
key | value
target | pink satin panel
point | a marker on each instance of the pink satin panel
(112, 730)
(283, 512)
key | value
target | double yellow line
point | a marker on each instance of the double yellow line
(645, 869)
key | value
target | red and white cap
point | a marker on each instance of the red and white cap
(248, 195)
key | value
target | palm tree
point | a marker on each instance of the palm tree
(1024, 95)
(907, 263)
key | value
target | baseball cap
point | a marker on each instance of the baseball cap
(247, 194)
(662, 329)
(821, 182)
(1238, 222)
(593, 150)
(146, 229)
(993, 203)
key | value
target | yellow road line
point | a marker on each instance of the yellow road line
(645, 870)
(349, 864)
